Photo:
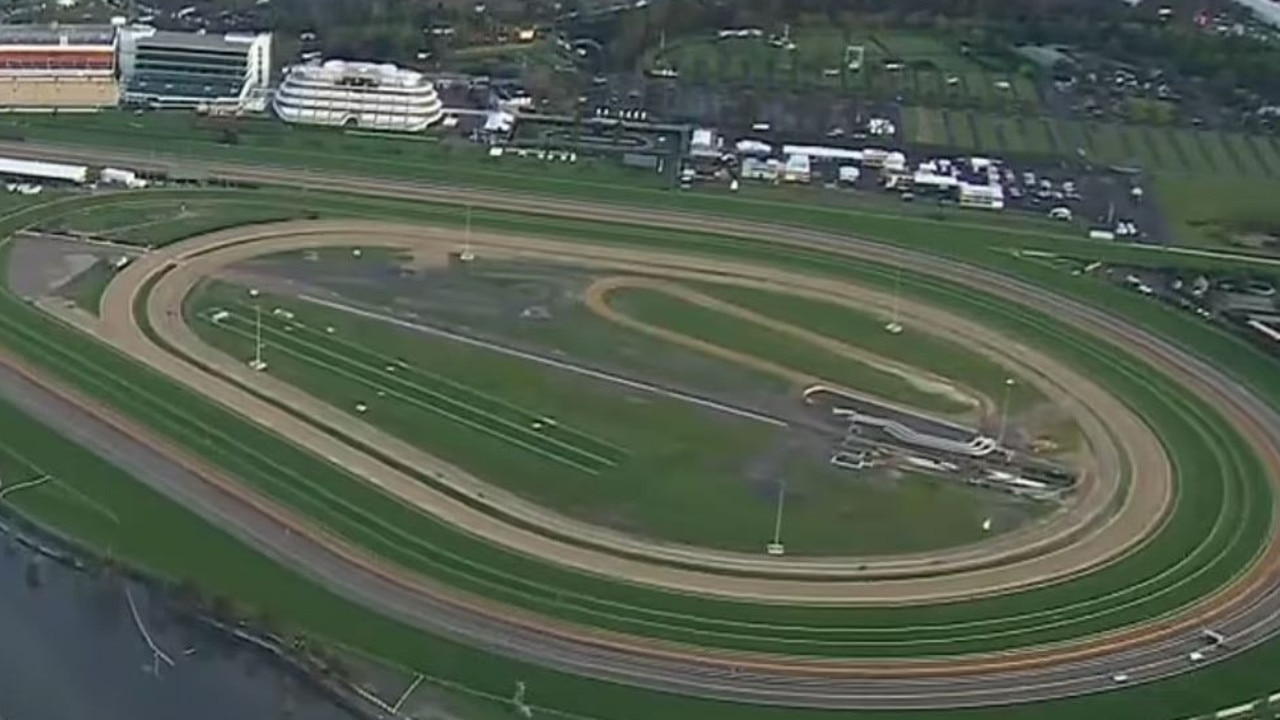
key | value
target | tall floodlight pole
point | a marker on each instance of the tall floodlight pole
(1004, 410)
(776, 547)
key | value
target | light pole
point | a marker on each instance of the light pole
(1004, 410)
(466, 255)
(776, 547)
(894, 326)
(257, 364)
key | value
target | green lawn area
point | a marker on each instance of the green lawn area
(269, 141)
(1223, 211)
(1195, 153)
(820, 50)
(962, 128)
(1037, 136)
(153, 223)
(664, 311)
(925, 126)
(1224, 161)
(1239, 145)
(1137, 148)
(989, 140)
(1173, 158)
(1106, 144)
(1071, 136)
(1267, 151)
(639, 463)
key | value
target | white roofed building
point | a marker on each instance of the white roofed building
(797, 169)
(39, 169)
(704, 142)
(989, 197)
(371, 96)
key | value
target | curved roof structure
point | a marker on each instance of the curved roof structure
(346, 93)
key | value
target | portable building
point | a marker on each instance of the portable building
(643, 161)
(934, 181)
(798, 169)
(989, 197)
(119, 176)
(823, 152)
(15, 167)
(753, 147)
(704, 141)
(758, 169)
(874, 157)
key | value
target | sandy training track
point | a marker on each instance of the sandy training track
(596, 298)
(1071, 543)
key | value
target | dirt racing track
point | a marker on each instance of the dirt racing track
(1076, 541)
(162, 279)
(1124, 503)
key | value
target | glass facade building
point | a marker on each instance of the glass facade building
(162, 69)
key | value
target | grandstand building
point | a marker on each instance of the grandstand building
(163, 69)
(57, 67)
(370, 96)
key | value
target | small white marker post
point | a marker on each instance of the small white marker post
(895, 327)
(1004, 410)
(257, 363)
(986, 525)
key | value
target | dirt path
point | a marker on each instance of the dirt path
(119, 329)
(596, 298)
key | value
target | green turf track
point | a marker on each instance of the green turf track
(1218, 534)
(23, 330)
(1198, 559)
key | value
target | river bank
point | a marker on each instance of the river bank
(83, 638)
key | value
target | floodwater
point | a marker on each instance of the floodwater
(70, 649)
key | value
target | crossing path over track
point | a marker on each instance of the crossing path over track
(1246, 613)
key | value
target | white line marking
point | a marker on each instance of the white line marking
(395, 709)
(551, 362)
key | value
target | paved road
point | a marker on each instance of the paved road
(1249, 615)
